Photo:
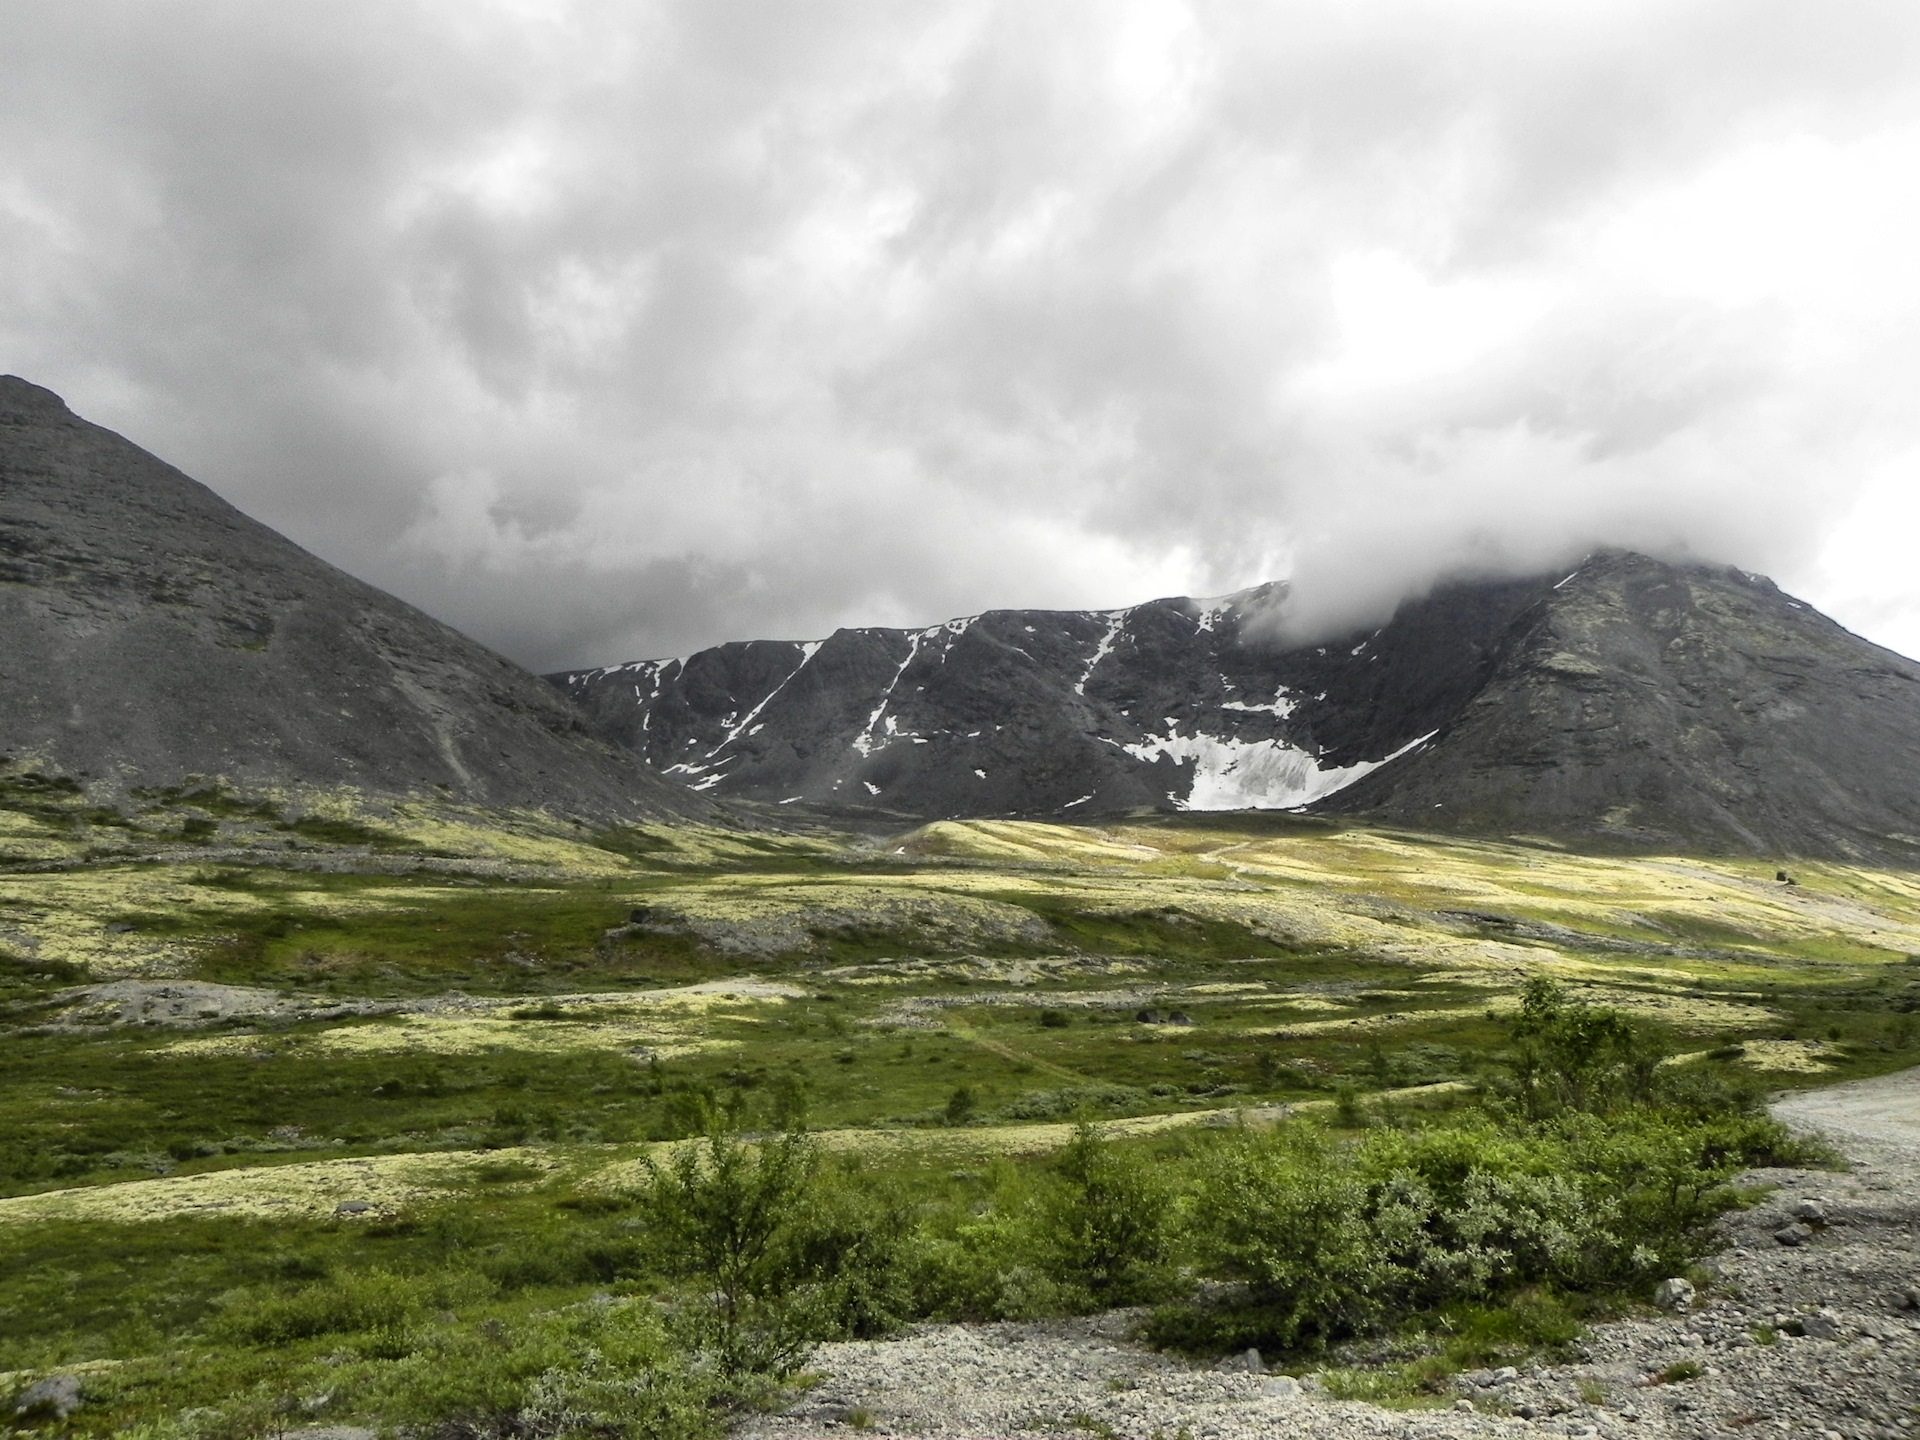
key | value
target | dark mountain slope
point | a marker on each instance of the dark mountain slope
(149, 631)
(1658, 705)
(1170, 703)
(1631, 703)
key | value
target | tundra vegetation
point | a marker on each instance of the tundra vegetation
(464, 1125)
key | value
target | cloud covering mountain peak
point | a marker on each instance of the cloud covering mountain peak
(623, 329)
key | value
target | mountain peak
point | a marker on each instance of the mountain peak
(1628, 702)
(153, 632)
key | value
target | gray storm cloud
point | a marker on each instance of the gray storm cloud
(605, 331)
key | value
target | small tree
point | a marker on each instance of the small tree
(726, 1214)
(783, 1251)
(1569, 1055)
(961, 1105)
(1106, 1224)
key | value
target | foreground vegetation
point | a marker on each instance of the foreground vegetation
(478, 1125)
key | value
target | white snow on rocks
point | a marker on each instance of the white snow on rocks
(1116, 622)
(1234, 774)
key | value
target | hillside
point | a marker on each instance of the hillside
(156, 636)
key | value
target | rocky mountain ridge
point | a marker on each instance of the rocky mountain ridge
(1628, 702)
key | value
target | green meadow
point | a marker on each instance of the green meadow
(319, 1112)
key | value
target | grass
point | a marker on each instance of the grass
(1009, 964)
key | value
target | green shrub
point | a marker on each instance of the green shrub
(1097, 1226)
(782, 1252)
(1104, 1224)
(1331, 1239)
(1569, 1055)
(351, 1304)
(600, 1370)
(1071, 1100)
(961, 1104)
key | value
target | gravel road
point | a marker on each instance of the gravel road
(1852, 1373)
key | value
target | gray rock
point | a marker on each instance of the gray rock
(56, 1397)
(1675, 1294)
(1793, 1234)
(353, 1207)
(1283, 1386)
(1247, 1362)
(1820, 1326)
(1813, 1210)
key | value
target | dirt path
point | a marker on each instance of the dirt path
(1884, 1112)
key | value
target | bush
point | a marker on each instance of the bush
(1569, 1055)
(1105, 1223)
(369, 1301)
(1071, 1100)
(1331, 1239)
(782, 1252)
(602, 1370)
(1096, 1227)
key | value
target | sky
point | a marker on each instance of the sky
(613, 330)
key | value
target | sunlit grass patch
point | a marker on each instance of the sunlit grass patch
(665, 1024)
(386, 1184)
(1789, 1057)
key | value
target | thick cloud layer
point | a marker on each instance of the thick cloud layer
(610, 330)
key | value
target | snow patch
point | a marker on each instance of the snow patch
(863, 742)
(1234, 774)
(1281, 705)
(1116, 621)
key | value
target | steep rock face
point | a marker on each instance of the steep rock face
(1631, 703)
(152, 632)
(1660, 706)
(1176, 702)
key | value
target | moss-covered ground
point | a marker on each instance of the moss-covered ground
(473, 1025)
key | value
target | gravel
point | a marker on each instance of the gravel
(1820, 1338)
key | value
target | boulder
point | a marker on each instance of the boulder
(1675, 1294)
(1795, 1234)
(54, 1398)
(1247, 1362)
(1820, 1326)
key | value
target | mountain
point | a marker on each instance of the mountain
(1630, 703)
(153, 633)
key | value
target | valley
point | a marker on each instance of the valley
(423, 1026)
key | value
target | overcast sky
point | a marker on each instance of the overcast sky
(607, 331)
